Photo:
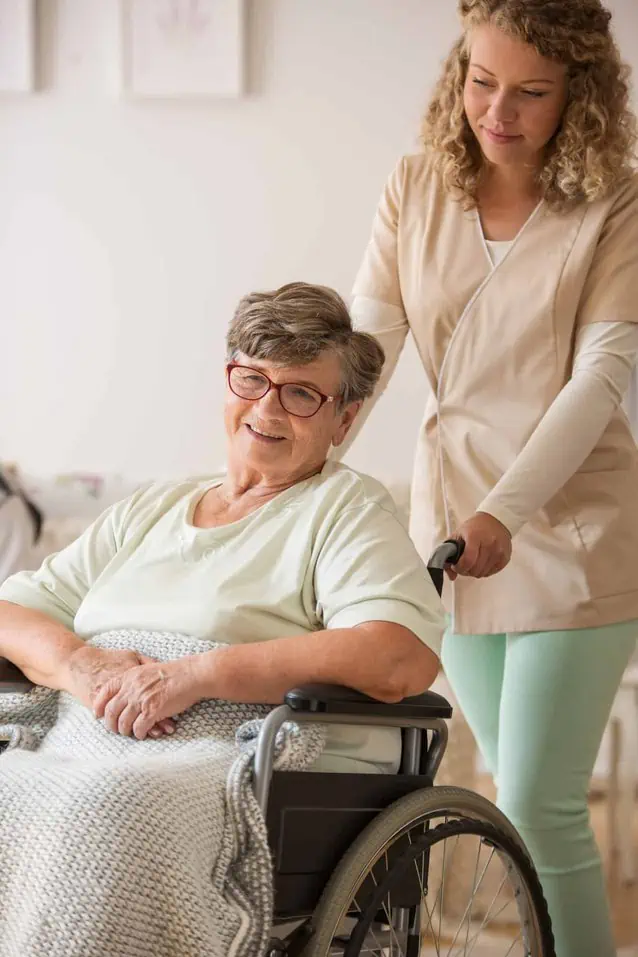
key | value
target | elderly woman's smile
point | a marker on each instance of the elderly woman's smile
(261, 433)
(283, 417)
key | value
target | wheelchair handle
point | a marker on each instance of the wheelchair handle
(448, 553)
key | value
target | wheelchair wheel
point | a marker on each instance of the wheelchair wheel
(440, 872)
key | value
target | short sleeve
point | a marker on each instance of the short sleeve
(610, 293)
(369, 570)
(378, 276)
(59, 586)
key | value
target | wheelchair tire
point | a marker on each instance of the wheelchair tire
(443, 812)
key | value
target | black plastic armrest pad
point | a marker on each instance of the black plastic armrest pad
(11, 678)
(335, 699)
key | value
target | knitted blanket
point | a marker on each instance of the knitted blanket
(112, 847)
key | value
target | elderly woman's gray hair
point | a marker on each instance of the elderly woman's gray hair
(295, 324)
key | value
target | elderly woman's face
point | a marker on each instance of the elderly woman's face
(514, 98)
(265, 436)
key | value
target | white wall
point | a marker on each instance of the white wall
(128, 230)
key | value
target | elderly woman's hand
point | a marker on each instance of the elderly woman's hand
(135, 701)
(488, 547)
(91, 669)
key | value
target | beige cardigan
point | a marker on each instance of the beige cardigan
(497, 345)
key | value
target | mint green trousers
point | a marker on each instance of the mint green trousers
(538, 705)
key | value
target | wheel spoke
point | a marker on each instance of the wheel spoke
(474, 889)
(441, 891)
(513, 944)
(442, 887)
(438, 900)
(419, 862)
(387, 909)
(486, 919)
(430, 914)
(420, 873)
(380, 946)
(468, 910)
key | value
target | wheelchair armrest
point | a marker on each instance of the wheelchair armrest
(335, 699)
(11, 678)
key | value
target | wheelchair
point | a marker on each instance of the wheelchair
(388, 865)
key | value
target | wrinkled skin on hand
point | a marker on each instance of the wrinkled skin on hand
(135, 701)
(90, 669)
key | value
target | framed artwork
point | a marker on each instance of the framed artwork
(182, 48)
(17, 46)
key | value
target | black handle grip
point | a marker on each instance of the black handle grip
(448, 553)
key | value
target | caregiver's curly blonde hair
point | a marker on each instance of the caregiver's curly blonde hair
(593, 149)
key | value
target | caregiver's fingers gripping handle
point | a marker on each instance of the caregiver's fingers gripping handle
(448, 553)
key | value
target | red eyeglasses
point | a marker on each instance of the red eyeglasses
(297, 399)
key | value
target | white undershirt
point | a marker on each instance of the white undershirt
(604, 357)
(497, 249)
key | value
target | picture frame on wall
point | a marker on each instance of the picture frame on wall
(182, 48)
(17, 46)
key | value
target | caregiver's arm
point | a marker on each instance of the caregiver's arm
(605, 353)
(604, 358)
(565, 436)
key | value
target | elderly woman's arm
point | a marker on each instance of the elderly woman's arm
(37, 612)
(379, 658)
(51, 655)
(37, 609)
(383, 625)
(38, 645)
(382, 659)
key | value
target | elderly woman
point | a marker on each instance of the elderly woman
(297, 565)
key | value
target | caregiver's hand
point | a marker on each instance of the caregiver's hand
(488, 547)
(137, 700)
(91, 669)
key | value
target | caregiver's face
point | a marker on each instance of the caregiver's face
(266, 436)
(513, 97)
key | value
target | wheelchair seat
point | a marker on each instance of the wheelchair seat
(304, 807)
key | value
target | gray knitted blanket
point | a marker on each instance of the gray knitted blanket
(112, 847)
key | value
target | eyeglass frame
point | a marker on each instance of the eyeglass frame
(278, 387)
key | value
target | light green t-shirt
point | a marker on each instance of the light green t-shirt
(329, 552)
